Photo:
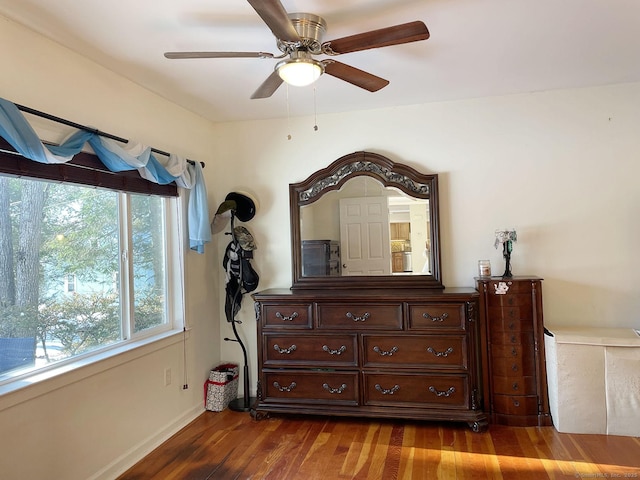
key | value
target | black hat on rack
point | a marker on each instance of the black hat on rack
(245, 206)
(242, 206)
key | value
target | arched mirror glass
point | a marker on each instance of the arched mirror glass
(365, 221)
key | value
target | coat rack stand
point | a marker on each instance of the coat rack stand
(244, 403)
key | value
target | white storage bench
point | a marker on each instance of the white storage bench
(594, 379)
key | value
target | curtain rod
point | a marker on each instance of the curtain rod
(88, 129)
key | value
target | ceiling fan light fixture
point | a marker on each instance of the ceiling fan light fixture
(300, 71)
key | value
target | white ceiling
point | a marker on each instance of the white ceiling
(477, 48)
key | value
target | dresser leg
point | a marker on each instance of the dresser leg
(479, 426)
(258, 415)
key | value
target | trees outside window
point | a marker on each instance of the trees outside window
(80, 268)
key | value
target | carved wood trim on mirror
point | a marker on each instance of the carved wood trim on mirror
(328, 252)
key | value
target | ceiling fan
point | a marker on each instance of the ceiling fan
(299, 38)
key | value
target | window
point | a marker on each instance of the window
(118, 247)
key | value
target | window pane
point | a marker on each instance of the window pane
(149, 261)
(58, 261)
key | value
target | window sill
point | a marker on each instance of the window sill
(29, 386)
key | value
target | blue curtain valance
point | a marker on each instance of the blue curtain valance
(15, 129)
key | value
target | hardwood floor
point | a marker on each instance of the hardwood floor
(231, 445)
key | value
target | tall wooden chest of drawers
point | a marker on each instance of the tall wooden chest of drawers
(370, 353)
(515, 374)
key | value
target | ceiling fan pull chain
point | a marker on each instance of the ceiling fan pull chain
(315, 110)
(288, 115)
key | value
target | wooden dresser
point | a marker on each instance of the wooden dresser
(515, 374)
(371, 353)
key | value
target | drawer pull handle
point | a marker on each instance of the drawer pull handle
(286, 318)
(439, 393)
(516, 403)
(289, 350)
(384, 391)
(338, 390)
(441, 318)
(515, 386)
(514, 367)
(514, 339)
(339, 351)
(514, 352)
(512, 326)
(440, 354)
(285, 389)
(385, 353)
(358, 319)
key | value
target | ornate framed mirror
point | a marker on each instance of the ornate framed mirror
(365, 222)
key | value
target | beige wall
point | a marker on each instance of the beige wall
(96, 420)
(560, 167)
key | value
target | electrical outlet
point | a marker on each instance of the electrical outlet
(167, 377)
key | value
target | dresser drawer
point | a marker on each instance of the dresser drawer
(508, 287)
(310, 386)
(522, 300)
(513, 365)
(514, 385)
(449, 391)
(326, 350)
(295, 315)
(500, 323)
(447, 351)
(512, 352)
(515, 404)
(437, 316)
(360, 316)
(511, 338)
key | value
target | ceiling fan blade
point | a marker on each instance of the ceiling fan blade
(354, 76)
(275, 16)
(268, 87)
(181, 55)
(384, 37)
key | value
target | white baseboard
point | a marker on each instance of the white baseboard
(136, 453)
